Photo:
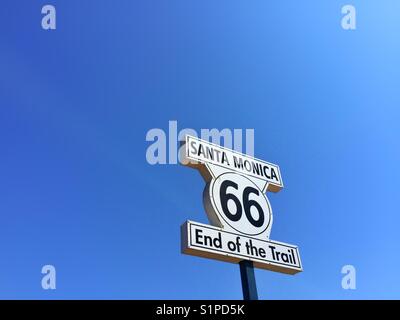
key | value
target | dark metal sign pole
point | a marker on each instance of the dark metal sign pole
(249, 285)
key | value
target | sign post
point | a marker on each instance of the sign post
(239, 213)
(249, 286)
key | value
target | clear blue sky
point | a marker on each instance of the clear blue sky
(76, 104)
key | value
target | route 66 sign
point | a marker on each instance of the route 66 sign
(235, 202)
(237, 208)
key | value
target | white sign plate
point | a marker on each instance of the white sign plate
(201, 152)
(211, 242)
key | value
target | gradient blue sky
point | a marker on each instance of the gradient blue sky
(76, 104)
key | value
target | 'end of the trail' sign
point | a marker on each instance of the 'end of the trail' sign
(202, 240)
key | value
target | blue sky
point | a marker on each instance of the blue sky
(76, 103)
